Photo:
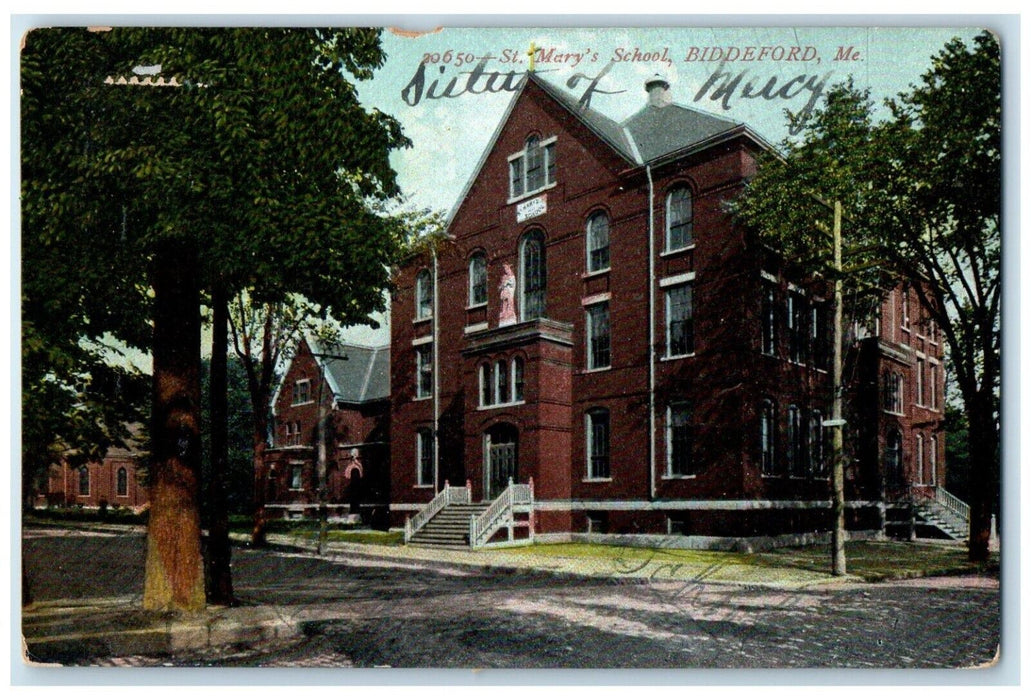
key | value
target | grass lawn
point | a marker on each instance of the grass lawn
(873, 561)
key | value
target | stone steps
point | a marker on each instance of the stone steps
(448, 529)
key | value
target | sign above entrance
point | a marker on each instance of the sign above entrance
(531, 208)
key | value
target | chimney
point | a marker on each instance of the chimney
(657, 88)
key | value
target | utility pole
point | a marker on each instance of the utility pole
(838, 422)
(320, 463)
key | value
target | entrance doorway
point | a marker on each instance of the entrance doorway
(501, 445)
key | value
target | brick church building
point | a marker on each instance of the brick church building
(599, 326)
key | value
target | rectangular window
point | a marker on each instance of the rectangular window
(598, 445)
(296, 477)
(767, 431)
(932, 386)
(769, 319)
(678, 440)
(818, 335)
(293, 433)
(598, 337)
(796, 456)
(919, 382)
(533, 168)
(817, 463)
(302, 392)
(424, 457)
(424, 370)
(517, 379)
(478, 280)
(679, 321)
(796, 327)
(486, 385)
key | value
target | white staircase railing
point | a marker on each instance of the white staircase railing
(501, 513)
(952, 504)
(447, 496)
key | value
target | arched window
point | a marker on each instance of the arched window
(767, 433)
(486, 385)
(501, 382)
(122, 482)
(534, 278)
(598, 242)
(679, 219)
(517, 378)
(424, 457)
(477, 279)
(598, 466)
(83, 481)
(424, 295)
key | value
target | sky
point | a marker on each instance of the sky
(787, 67)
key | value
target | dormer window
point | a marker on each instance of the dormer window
(533, 168)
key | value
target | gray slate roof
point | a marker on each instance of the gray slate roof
(363, 377)
(651, 133)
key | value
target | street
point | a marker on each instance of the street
(372, 612)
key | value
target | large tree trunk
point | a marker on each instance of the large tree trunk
(220, 580)
(258, 538)
(174, 576)
(983, 441)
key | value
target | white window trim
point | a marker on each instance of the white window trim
(521, 154)
(590, 336)
(681, 280)
(424, 340)
(418, 456)
(587, 245)
(418, 296)
(934, 459)
(588, 451)
(477, 304)
(675, 280)
(667, 473)
(418, 372)
(293, 466)
(666, 250)
(481, 326)
(293, 399)
(919, 449)
(596, 299)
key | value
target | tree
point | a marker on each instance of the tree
(922, 191)
(251, 165)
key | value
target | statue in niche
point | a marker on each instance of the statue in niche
(507, 290)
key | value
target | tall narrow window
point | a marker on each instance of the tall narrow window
(679, 440)
(817, 463)
(932, 386)
(424, 457)
(932, 460)
(598, 242)
(598, 444)
(818, 335)
(535, 276)
(424, 370)
(892, 389)
(477, 279)
(296, 477)
(83, 481)
(893, 458)
(486, 385)
(535, 165)
(679, 219)
(796, 456)
(598, 343)
(501, 382)
(122, 482)
(905, 306)
(918, 449)
(767, 431)
(515, 169)
(679, 321)
(769, 318)
(919, 382)
(423, 295)
(796, 327)
(517, 378)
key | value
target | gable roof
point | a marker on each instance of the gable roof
(362, 378)
(646, 136)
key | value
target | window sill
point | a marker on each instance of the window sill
(595, 370)
(422, 398)
(595, 273)
(422, 486)
(678, 477)
(528, 195)
(596, 480)
(669, 358)
(677, 251)
(500, 405)
(424, 319)
(474, 307)
(302, 403)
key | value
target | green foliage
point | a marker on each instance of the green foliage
(261, 159)
(239, 478)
